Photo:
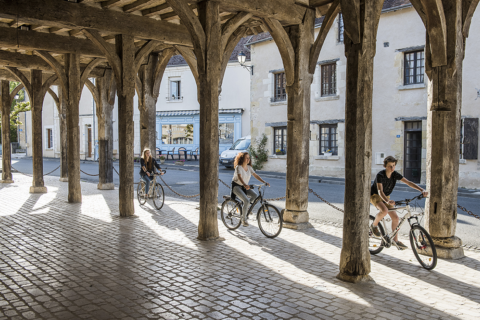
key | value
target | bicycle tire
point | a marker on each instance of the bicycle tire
(275, 224)
(371, 237)
(158, 196)
(140, 194)
(230, 213)
(414, 241)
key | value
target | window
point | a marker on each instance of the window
(328, 139)
(340, 28)
(280, 140)
(329, 79)
(225, 133)
(469, 139)
(414, 67)
(175, 93)
(177, 134)
(280, 87)
(49, 139)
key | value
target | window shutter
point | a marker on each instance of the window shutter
(470, 142)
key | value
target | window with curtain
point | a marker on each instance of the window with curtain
(175, 93)
(280, 140)
(328, 139)
(414, 67)
(280, 93)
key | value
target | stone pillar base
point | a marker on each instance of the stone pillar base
(64, 179)
(38, 189)
(6, 181)
(354, 279)
(297, 220)
(449, 248)
(105, 186)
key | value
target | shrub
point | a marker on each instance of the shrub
(258, 152)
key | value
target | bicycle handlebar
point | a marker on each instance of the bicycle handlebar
(407, 201)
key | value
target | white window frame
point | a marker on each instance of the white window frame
(169, 96)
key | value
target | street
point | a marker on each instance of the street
(185, 179)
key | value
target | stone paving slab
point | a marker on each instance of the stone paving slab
(82, 261)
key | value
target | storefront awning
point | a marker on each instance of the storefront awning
(193, 112)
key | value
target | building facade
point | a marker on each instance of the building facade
(400, 94)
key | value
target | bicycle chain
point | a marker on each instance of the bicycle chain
(467, 211)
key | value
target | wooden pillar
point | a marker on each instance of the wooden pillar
(125, 49)
(147, 106)
(443, 129)
(360, 39)
(37, 95)
(298, 126)
(6, 103)
(72, 72)
(105, 105)
(62, 116)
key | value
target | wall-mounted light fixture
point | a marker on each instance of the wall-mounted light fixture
(241, 59)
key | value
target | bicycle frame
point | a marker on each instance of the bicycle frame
(408, 216)
(257, 199)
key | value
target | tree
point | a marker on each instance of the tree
(18, 105)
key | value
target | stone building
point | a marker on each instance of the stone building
(400, 96)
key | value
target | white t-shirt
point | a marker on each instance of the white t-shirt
(246, 175)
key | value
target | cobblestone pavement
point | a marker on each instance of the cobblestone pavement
(82, 261)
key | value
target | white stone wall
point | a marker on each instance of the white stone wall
(397, 30)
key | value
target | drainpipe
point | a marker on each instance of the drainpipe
(94, 140)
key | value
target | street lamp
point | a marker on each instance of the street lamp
(241, 59)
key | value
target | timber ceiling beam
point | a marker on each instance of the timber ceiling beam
(24, 61)
(64, 14)
(31, 40)
(319, 3)
(468, 8)
(286, 11)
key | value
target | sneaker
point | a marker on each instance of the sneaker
(400, 245)
(376, 231)
(245, 223)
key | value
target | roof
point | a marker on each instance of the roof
(388, 5)
(193, 112)
(178, 59)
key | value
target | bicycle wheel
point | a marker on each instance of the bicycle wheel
(423, 247)
(270, 220)
(231, 214)
(141, 193)
(375, 244)
(158, 196)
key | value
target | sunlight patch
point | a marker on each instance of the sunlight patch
(96, 207)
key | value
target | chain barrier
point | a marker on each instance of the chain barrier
(331, 205)
(179, 194)
(115, 170)
(271, 199)
(28, 175)
(88, 174)
(468, 211)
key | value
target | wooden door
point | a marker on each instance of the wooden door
(89, 134)
(413, 151)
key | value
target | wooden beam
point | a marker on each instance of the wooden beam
(134, 6)
(155, 10)
(56, 66)
(232, 24)
(77, 16)
(157, 75)
(351, 21)
(286, 11)
(31, 40)
(468, 9)
(143, 52)
(319, 3)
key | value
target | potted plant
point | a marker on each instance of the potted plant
(279, 152)
(327, 152)
(180, 162)
(162, 159)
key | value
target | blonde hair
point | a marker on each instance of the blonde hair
(143, 153)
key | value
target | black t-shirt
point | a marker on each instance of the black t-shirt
(387, 183)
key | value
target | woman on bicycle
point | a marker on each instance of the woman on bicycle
(241, 177)
(148, 165)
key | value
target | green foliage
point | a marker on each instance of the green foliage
(18, 105)
(258, 153)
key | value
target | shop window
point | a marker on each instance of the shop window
(414, 67)
(328, 139)
(225, 133)
(280, 140)
(340, 28)
(280, 93)
(329, 79)
(469, 139)
(175, 90)
(177, 134)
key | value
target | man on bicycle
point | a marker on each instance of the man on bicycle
(382, 187)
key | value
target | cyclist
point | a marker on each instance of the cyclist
(147, 169)
(381, 189)
(241, 177)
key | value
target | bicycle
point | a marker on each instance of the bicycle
(269, 218)
(156, 192)
(420, 240)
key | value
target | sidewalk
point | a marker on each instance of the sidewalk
(82, 261)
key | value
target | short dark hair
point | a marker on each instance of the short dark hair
(389, 159)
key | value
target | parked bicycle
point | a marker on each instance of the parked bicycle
(421, 242)
(269, 218)
(156, 192)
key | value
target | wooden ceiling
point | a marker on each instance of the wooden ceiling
(56, 25)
